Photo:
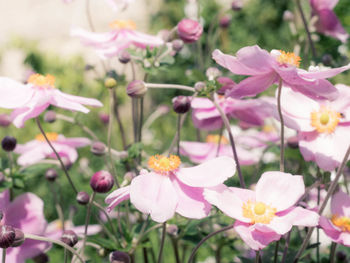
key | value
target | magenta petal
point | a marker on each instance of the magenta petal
(331, 231)
(29, 249)
(340, 204)
(74, 142)
(4, 199)
(324, 73)
(207, 174)
(14, 94)
(117, 196)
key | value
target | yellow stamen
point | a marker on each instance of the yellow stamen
(42, 81)
(325, 120)
(123, 24)
(342, 222)
(162, 164)
(258, 212)
(268, 128)
(289, 58)
(52, 136)
(211, 138)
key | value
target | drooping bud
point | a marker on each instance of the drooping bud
(83, 198)
(225, 21)
(110, 83)
(177, 44)
(119, 257)
(69, 237)
(51, 174)
(199, 86)
(102, 182)
(98, 148)
(50, 116)
(136, 89)
(181, 104)
(124, 57)
(189, 30)
(8, 143)
(5, 120)
(19, 238)
(7, 236)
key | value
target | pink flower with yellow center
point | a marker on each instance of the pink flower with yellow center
(323, 125)
(31, 99)
(122, 36)
(38, 149)
(169, 188)
(264, 215)
(266, 68)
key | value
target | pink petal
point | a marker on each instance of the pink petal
(340, 204)
(143, 40)
(91, 38)
(319, 89)
(207, 174)
(321, 4)
(117, 196)
(4, 199)
(198, 152)
(331, 231)
(208, 124)
(202, 103)
(29, 249)
(74, 142)
(32, 156)
(14, 93)
(324, 73)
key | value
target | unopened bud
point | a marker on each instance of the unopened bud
(288, 16)
(136, 89)
(225, 21)
(83, 198)
(7, 236)
(50, 116)
(129, 176)
(5, 120)
(119, 257)
(110, 83)
(172, 230)
(69, 237)
(8, 143)
(199, 86)
(341, 256)
(181, 104)
(189, 30)
(98, 148)
(212, 73)
(177, 44)
(237, 5)
(102, 182)
(124, 57)
(42, 258)
(104, 117)
(327, 60)
(51, 175)
(293, 142)
(19, 238)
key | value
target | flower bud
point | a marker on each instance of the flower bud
(172, 230)
(69, 237)
(5, 120)
(51, 174)
(98, 148)
(237, 5)
(66, 162)
(42, 258)
(327, 60)
(128, 176)
(110, 83)
(288, 16)
(8, 143)
(177, 44)
(189, 30)
(225, 21)
(7, 236)
(212, 73)
(50, 116)
(102, 182)
(199, 86)
(104, 117)
(119, 257)
(341, 256)
(124, 57)
(19, 238)
(136, 89)
(293, 142)
(181, 104)
(83, 198)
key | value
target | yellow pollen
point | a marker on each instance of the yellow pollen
(211, 138)
(162, 164)
(123, 24)
(342, 222)
(258, 212)
(289, 58)
(325, 120)
(42, 81)
(268, 128)
(52, 136)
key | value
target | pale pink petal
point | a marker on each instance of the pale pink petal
(340, 204)
(202, 103)
(4, 199)
(143, 40)
(74, 142)
(318, 89)
(198, 152)
(29, 249)
(117, 196)
(207, 174)
(331, 231)
(208, 124)
(324, 73)
(324, 4)
(63, 151)
(32, 156)
(92, 230)
(14, 93)
(304, 217)
(93, 39)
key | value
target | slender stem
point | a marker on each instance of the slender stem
(282, 125)
(219, 142)
(284, 257)
(87, 220)
(119, 121)
(257, 256)
(172, 145)
(160, 255)
(169, 86)
(175, 242)
(323, 206)
(228, 128)
(102, 209)
(332, 254)
(318, 230)
(65, 256)
(134, 117)
(88, 14)
(178, 134)
(54, 241)
(145, 255)
(3, 255)
(57, 155)
(140, 127)
(276, 251)
(57, 205)
(193, 253)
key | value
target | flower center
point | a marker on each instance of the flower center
(123, 24)
(212, 138)
(268, 128)
(162, 164)
(52, 136)
(325, 120)
(289, 58)
(258, 212)
(38, 80)
(342, 222)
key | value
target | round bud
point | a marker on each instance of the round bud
(5, 120)
(66, 162)
(83, 198)
(128, 176)
(136, 89)
(327, 60)
(341, 256)
(124, 57)
(98, 148)
(50, 116)
(237, 5)
(293, 142)
(119, 257)
(189, 30)
(199, 86)
(19, 238)
(102, 182)
(172, 230)
(8, 143)
(181, 104)
(288, 16)
(101, 252)
(104, 117)
(212, 73)
(7, 236)
(177, 44)
(110, 83)
(51, 174)
(225, 21)
(69, 237)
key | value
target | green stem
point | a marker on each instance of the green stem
(57, 205)
(160, 255)
(332, 254)
(119, 121)
(87, 220)
(65, 256)
(276, 251)
(178, 133)
(169, 86)
(3, 255)
(175, 242)
(257, 256)
(282, 125)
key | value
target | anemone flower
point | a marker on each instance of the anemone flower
(31, 99)
(122, 36)
(337, 227)
(327, 21)
(170, 188)
(264, 215)
(37, 150)
(267, 68)
(323, 125)
(25, 212)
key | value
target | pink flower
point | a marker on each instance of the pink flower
(267, 68)
(37, 150)
(170, 188)
(25, 212)
(122, 36)
(268, 212)
(328, 23)
(189, 30)
(323, 125)
(29, 100)
(337, 227)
